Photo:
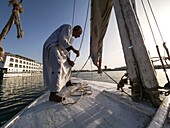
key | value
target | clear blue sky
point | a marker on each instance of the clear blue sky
(42, 17)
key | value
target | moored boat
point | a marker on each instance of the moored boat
(17, 65)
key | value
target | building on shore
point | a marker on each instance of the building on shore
(17, 65)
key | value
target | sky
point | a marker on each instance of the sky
(42, 17)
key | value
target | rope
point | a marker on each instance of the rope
(126, 93)
(83, 89)
(110, 77)
(149, 22)
(155, 21)
(106, 75)
(84, 27)
(164, 44)
(83, 34)
(89, 56)
(117, 83)
(155, 39)
(14, 19)
(167, 63)
(73, 12)
(83, 66)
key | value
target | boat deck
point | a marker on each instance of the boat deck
(105, 108)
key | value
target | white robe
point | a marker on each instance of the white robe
(56, 70)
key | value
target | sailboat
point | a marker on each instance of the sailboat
(100, 104)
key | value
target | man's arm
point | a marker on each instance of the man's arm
(74, 50)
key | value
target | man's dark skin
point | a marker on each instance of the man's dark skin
(75, 51)
(76, 33)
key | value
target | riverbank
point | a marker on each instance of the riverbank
(123, 68)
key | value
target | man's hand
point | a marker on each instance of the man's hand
(71, 63)
(76, 52)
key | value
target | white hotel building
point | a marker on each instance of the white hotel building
(15, 64)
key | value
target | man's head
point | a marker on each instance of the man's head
(77, 31)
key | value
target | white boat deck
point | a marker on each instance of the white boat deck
(105, 108)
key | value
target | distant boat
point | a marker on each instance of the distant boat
(17, 65)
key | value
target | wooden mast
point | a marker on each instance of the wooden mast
(139, 67)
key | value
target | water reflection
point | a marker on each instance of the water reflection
(16, 93)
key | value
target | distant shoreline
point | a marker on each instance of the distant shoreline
(118, 69)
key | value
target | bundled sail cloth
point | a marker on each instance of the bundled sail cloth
(100, 15)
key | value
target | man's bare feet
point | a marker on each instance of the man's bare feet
(54, 97)
(68, 84)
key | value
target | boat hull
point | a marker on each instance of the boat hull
(8, 75)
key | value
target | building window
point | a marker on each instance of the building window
(20, 66)
(16, 60)
(10, 65)
(20, 61)
(16, 65)
(11, 59)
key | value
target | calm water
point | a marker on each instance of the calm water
(18, 92)
(116, 75)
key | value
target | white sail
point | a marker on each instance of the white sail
(100, 15)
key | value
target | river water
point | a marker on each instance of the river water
(18, 92)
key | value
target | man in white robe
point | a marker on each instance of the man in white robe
(56, 62)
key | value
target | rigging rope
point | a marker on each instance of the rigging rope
(73, 12)
(89, 55)
(149, 22)
(83, 66)
(164, 44)
(110, 77)
(155, 20)
(157, 47)
(83, 89)
(117, 84)
(84, 27)
(83, 36)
